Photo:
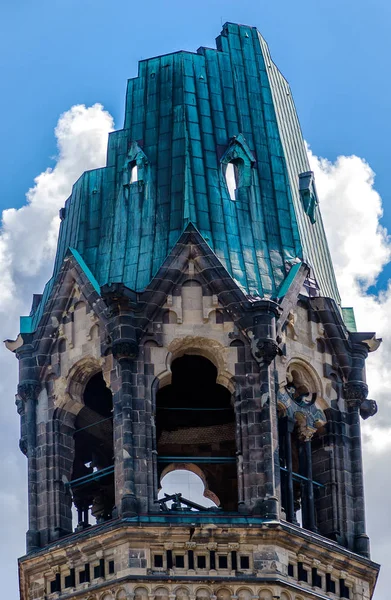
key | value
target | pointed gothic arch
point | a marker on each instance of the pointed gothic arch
(135, 166)
(237, 162)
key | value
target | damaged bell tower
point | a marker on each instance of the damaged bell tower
(193, 327)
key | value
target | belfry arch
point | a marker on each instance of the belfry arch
(92, 482)
(300, 426)
(195, 424)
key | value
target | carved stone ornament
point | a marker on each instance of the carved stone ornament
(125, 349)
(355, 390)
(368, 408)
(264, 350)
(19, 405)
(23, 445)
(304, 400)
(306, 433)
(29, 390)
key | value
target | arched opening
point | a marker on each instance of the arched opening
(190, 482)
(195, 423)
(233, 176)
(133, 172)
(92, 482)
(298, 425)
(300, 485)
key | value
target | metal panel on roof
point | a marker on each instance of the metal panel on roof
(183, 111)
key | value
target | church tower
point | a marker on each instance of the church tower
(192, 331)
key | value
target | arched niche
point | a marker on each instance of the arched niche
(244, 594)
(195, 423)
(161, 593)
(265, 594)
(140, 593)
(203, 594)
(306, 380)
(94, 332)
(181, 593)
(223, 594)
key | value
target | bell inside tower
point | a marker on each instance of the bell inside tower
(92, 482)
(195, 428)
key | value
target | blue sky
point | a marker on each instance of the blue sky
(335, 54)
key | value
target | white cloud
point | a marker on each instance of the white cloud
(27, 245)
(360, 248)
(28, 235)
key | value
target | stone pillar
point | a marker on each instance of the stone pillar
(356, 392)
(307, 496)
(121, 328)
(28, 391)
(124, 352)
(288, 425)
(264, 348)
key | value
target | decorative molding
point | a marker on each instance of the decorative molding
(29, 390)
(264, 350)
(125, 349)
(355, 392)
(368, 408)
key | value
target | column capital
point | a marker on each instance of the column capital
(355, 392)
(264, 350)
(125, 349)
(306, 433)
(29, 390)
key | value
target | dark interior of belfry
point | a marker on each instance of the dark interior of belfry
(195, 425)
(195, 431)
(300, 469)
(93, 466)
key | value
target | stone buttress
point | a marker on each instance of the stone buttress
(192, 328)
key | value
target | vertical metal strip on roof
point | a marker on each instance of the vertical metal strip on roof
(315, 247)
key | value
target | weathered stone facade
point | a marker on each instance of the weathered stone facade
(260, 396)
(205, 561)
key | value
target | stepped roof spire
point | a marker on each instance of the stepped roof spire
(210, 138)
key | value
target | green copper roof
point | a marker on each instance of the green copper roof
(188, 116)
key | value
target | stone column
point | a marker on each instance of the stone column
(121, 328)
(28, 391)
(264, 348)
(356, 392)
(307, 500)
(124, 352)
